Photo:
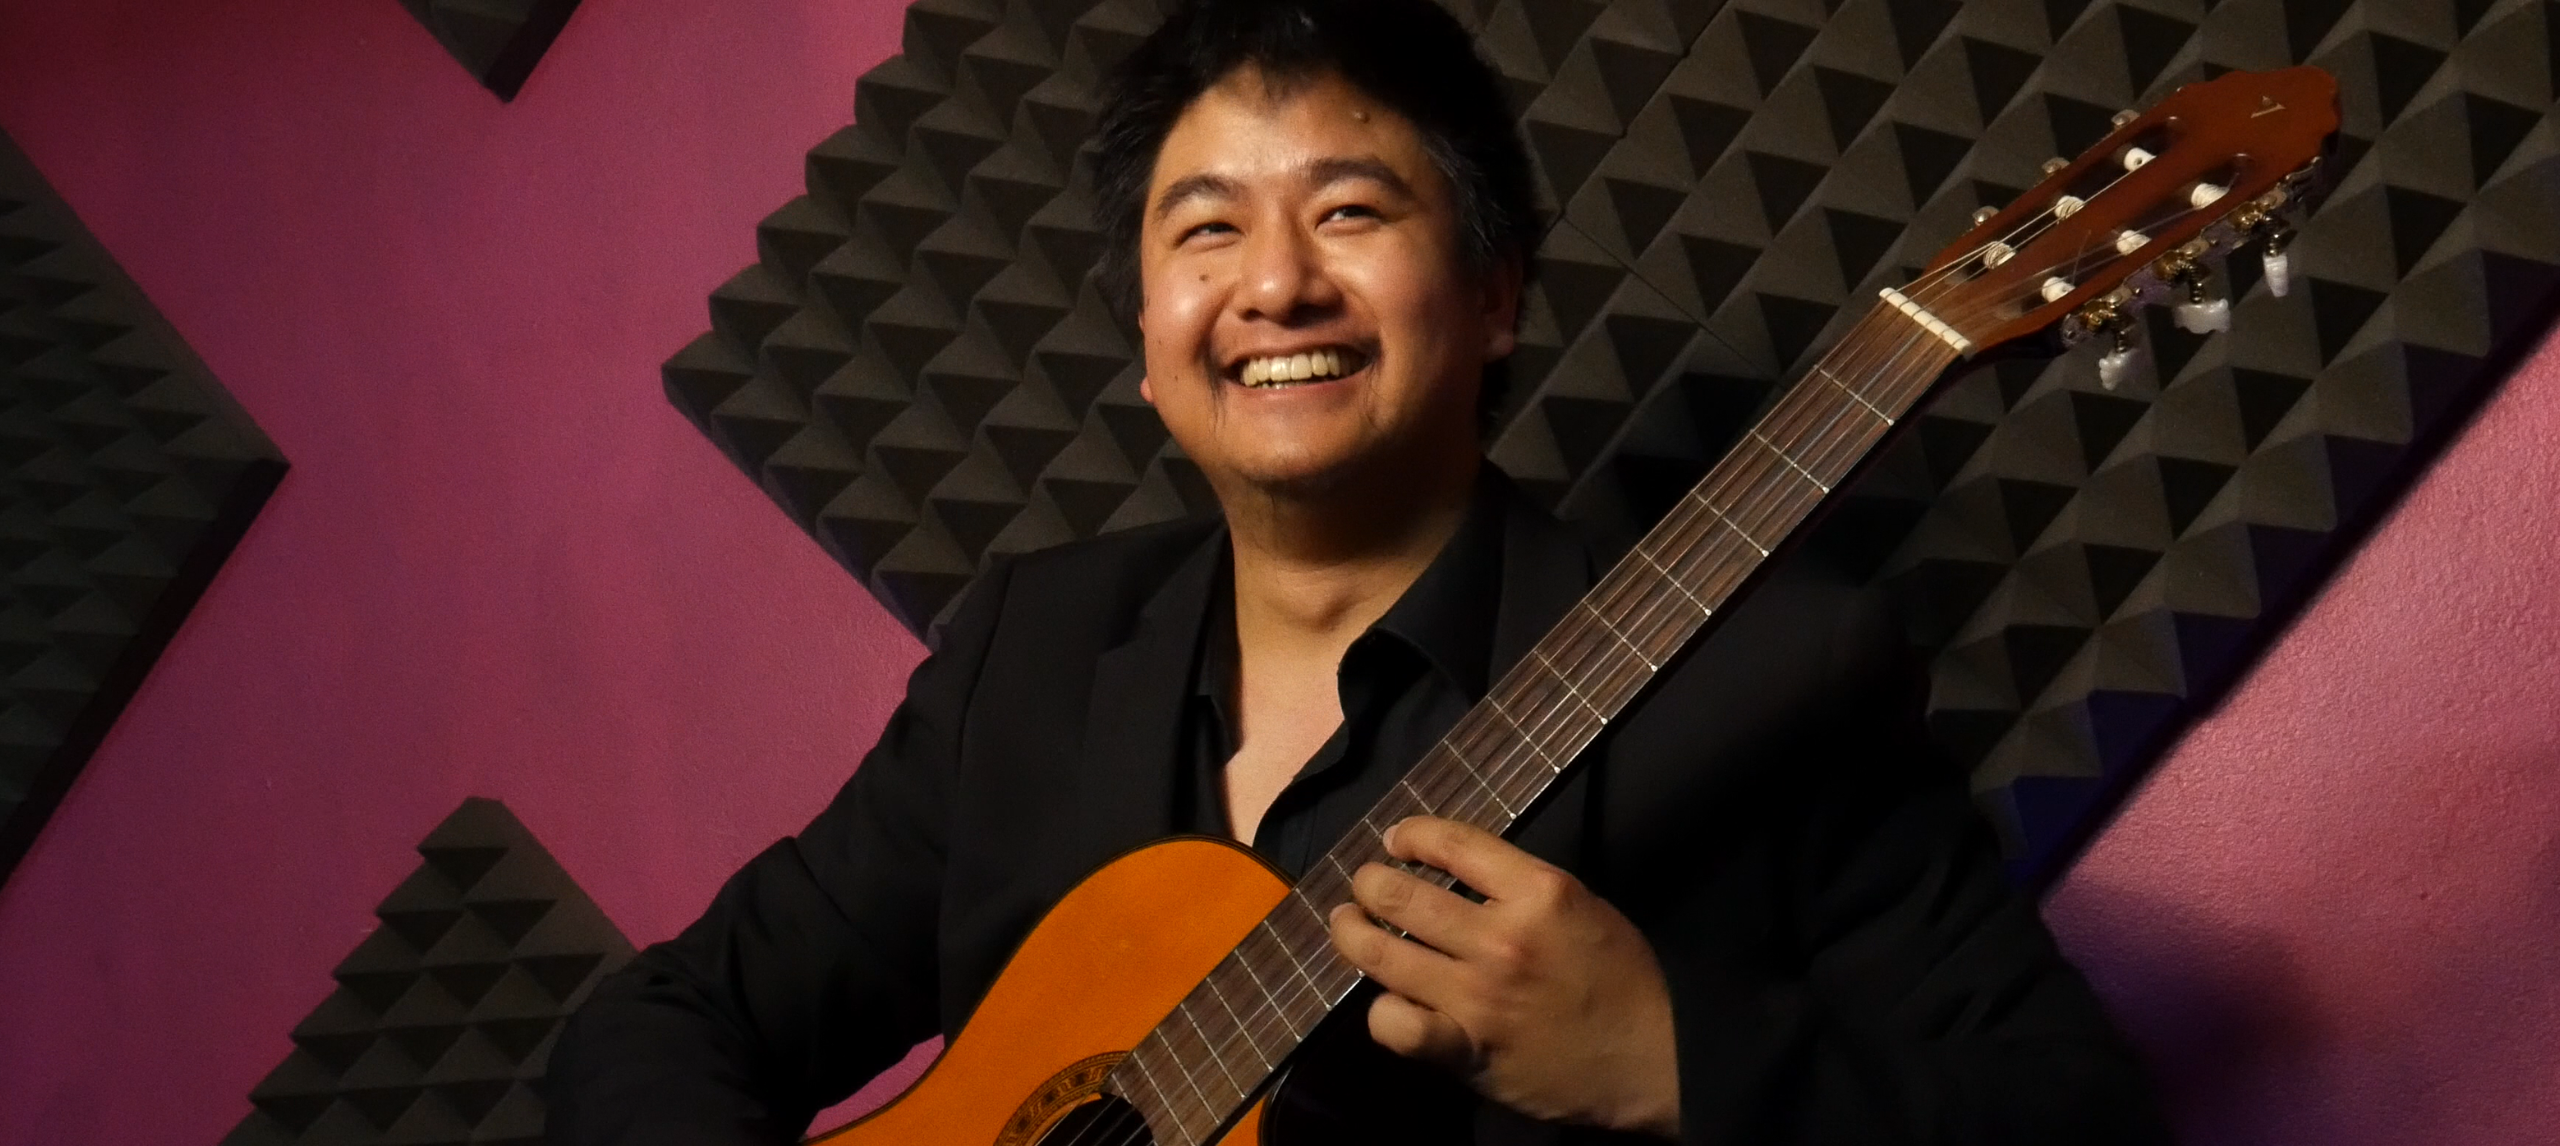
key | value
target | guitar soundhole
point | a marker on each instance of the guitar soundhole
(1105, 1121)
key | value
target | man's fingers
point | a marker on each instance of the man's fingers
(1399, 965)
(1415, 1031)
(1480, 859)
(1430, 913)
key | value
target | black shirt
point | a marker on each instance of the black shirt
(1403, 684)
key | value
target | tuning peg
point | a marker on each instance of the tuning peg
(1983, 215)
(2116, 364)
(2279, 265)
(2054, 164)
(2124, 117)
(2107, 315)
(2199, 314)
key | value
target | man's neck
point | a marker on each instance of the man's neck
(1315, 573)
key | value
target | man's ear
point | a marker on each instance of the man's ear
(1147, 388)
(1502, 309)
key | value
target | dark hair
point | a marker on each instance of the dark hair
(1407, 54)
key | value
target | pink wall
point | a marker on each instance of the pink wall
(504, 566)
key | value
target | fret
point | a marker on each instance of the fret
(1209, 1047)
(1164, 1102)
(1650, 664)
(1430, 807)
(1298, 894)
(1182, 1066)
(1845, 438)
(1339, 869)
(1661, 619)
(1269, 1000)
(1596, 657)
(1494, 783)
(1593, 709)
(1791, 461)
(1823, 371)
(1738, 531)
(1287, 971)
(1244, 1030)
(1547, 711)
(1404, 801)
(1722, 562)
(1478, 779)
(1704, 609)
(1773, 509)
(1292, 957)
(1493, 700)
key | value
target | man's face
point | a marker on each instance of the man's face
(1309, 315)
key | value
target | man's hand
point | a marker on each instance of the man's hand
(1542, 997)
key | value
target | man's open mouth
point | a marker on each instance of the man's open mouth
(1319, 365)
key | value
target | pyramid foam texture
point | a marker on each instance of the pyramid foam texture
(497, 41)
(443, 1019)
(918, 368)
(126, 476)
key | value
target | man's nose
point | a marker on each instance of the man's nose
(1284, 275)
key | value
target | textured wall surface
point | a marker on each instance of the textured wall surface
(504, 566)
(126, 476)
(920, 372)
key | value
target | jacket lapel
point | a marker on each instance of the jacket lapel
(1545, 569)
(1124, 771)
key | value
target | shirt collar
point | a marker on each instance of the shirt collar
(1447, 615)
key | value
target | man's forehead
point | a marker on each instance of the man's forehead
(1312, 132)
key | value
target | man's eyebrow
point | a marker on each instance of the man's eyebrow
(1343, 169)
(1190, 187)
(1320, 173)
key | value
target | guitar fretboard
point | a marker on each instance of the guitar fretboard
(1199, 1067)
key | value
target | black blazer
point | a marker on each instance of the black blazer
(1845, 960)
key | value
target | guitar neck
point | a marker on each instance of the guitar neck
(1219, 1046)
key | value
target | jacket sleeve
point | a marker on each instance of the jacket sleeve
(1920, 998)
(814, 967)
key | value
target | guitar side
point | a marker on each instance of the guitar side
(1097, 973)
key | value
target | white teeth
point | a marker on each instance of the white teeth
(1294, 367)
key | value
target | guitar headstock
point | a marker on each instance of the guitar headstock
(2135, 218)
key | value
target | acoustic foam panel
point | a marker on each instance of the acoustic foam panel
(442, 1021)
(919, 370)
(497, 41)
(126, 476)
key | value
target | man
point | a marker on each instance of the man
(1760, 911)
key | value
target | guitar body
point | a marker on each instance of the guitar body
(1101, 969)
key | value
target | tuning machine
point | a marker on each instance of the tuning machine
(2264, 224)
(2199, 312)
(2111, 315)
(2279, 265)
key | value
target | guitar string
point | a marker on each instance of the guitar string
(1778, 423)
(1782, 424)
(1510, 769)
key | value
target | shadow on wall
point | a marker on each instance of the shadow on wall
(2224, 1009)
(2453, 1003)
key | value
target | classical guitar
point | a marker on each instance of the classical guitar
(1161, 999)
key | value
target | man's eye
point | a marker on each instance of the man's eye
(1204, 229)
(1351, 211)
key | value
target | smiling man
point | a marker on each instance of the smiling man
(1761, 910)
